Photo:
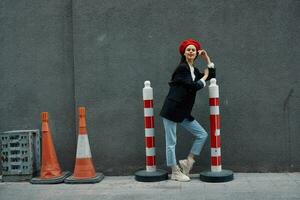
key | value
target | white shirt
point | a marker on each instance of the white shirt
(192, 72)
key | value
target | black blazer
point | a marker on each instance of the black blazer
(181, 97)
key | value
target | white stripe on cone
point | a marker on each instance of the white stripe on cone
(151, 168)
(148, 112)
(148, 95)
(216, 168)
(213, 89)
(215, 152)
(83, 147)
(147, 91)
(150, 151)
(213, 92)
(214, 110)
(149, 132)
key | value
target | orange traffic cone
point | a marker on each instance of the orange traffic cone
(84, 171)
(50, 170)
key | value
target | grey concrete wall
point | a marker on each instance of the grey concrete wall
(36, 70)
(117, 45)
(254, 44)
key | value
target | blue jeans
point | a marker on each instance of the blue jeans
(170, 132)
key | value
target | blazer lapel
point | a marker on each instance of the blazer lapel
(188, 68)
(197, 74)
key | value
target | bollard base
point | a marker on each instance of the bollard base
(145, 176)
(60, 179)
(216, 177)
(73, 180)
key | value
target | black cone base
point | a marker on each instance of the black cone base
(144, 176)
(59, 179)
(216, 177)
(73, 180)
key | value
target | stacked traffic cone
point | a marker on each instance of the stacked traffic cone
(84, 171)
(50, 170)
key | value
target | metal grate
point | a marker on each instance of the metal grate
(20, 153)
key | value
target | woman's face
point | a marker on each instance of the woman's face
(190, 52)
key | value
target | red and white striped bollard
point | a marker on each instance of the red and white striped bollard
(149, 127)
(215, 141)
(216, 174)
(151, 174)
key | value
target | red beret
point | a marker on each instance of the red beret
(188, 42)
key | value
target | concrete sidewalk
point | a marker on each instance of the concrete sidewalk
(260, 186)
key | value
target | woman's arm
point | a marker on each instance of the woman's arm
(203, 54)
(206, 73)
(211, 67)
(183, 76)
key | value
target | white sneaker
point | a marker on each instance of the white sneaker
(186, 166)
(177, 175)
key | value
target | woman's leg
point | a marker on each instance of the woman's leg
(198, 131)
(170, 134)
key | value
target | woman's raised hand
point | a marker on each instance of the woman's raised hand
(203, 54)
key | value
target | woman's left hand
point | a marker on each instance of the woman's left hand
(203, 54)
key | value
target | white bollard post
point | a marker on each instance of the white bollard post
(149, 127)
(151, 174)
(215, 138)
(216, 174)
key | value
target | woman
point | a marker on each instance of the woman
(185, 82)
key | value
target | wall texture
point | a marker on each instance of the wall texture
(36, 70)
(58, 55)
